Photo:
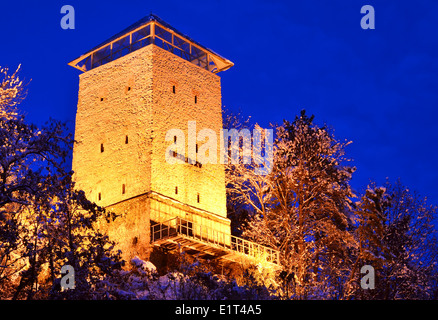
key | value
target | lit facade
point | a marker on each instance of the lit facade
(134, 88)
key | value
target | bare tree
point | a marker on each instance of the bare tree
(12, 92)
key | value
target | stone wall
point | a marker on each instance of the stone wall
(114, 112)
(174, 110)
(125, 108)
(131, 229)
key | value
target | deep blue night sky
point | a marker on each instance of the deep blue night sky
(378, 88)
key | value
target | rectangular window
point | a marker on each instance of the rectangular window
(199, 200)
(101, 147)
(173, 89)
(123, 189)
(196, 99)
(126, 139)
(176, 190)
(99, 196)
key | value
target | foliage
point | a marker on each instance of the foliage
(305, 208)
(190, 281)
(44, 222)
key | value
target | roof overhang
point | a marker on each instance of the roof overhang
(151, 30)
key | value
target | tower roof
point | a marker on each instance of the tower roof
(151, 30)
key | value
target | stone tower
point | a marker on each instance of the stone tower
(136, 86)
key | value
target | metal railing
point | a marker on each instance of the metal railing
(152, 33)
(178, 226)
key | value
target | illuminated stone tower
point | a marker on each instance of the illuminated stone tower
(135, 86)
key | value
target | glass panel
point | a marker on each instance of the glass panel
(88, 63)
(158, 42)
(141, 44)
(125, 51)
(142, 38)
(120, 44)
(136, 46)
(96, 64)
(140, 34)
(146, 41)
(198, 62)
(212, 66)
(196, 52)
(203, 58)
(163, 34)
(85, 63)
(106, 60)
(167, 46)
(180, 43)
(185, 56)
(117, 54)
(102, 53)
(177, 52)
(202, 61)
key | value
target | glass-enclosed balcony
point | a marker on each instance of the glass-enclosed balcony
(151, 30)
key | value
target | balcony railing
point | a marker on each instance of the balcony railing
(180, 227)
(152, 32)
